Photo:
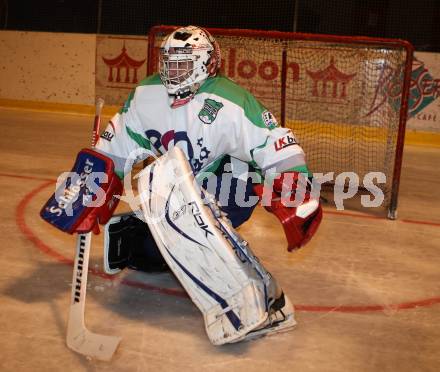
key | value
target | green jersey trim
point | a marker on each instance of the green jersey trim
(253, 162)
(210, 168)
(139, 139)
(120, 174)
(127, 103)
(227, 89)
(151, 80)
(300, 169)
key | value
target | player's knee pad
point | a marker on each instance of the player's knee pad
(128, 243)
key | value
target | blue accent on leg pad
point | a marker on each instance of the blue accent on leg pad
(233, 318)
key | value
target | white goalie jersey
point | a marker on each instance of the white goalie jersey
(222, 119)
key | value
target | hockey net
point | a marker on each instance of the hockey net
(345, 98)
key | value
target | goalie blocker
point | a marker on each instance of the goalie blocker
(86, 197)
(299, 217)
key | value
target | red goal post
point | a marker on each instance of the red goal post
(345, 98)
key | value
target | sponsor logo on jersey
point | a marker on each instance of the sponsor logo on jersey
(109, 132)
(284, 142)
(269, 120)
(107, 135)
(209, 111)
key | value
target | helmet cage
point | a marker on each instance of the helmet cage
(177, 68)
(187, 57)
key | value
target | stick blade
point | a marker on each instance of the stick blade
(93, 345)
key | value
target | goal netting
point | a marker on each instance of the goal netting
(345, 98)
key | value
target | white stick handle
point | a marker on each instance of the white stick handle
(97, 122)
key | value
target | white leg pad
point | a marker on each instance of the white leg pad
(215, 266)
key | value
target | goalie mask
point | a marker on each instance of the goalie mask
(188, 56)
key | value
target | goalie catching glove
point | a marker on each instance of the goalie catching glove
(291, 202)
(86, 197)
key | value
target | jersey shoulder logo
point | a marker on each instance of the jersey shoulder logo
(109, 132)
(269, 120)
(209, 111)
(107, 135)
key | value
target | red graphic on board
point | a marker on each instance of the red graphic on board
(330, 82)
(123, 63)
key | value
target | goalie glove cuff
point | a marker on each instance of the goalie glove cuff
(300, 221)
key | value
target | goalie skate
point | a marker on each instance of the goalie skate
(279, 320)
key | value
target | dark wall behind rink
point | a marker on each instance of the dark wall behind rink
(416, 21)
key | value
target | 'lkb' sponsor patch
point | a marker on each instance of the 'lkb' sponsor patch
(284, 142)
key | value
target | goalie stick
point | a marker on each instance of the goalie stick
(79, 338)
